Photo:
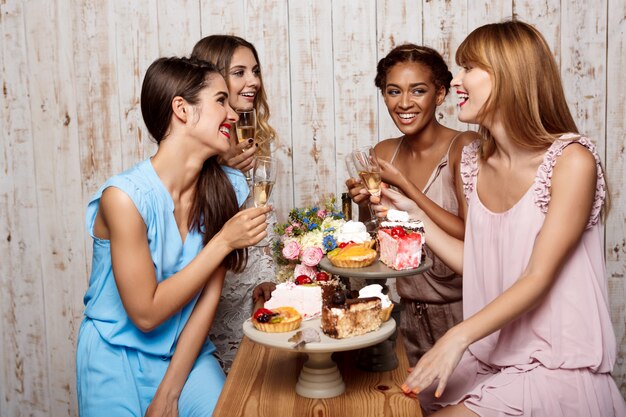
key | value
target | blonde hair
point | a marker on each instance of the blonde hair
(526, 84)
(219, 50)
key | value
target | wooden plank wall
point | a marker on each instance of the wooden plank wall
(71, 73)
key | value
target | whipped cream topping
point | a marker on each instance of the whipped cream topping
(394, 215)
(375, 290)
(353, 231)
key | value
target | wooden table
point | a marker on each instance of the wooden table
(262, 381)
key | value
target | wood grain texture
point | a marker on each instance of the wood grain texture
(59, 190)
(24, 357)
(71, 75)
(262, 384)
(313, 112)
(355, 100)
(615, 236)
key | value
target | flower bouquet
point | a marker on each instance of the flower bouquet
(305, 238)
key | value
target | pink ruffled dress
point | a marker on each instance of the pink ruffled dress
(556, 359)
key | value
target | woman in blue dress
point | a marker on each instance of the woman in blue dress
(164, 234)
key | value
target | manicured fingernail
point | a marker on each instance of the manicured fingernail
(405, 388)
(409, 370)
(416, 391)
(437, 394)
(250, 140)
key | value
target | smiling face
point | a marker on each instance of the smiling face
(411, 96)
(473, 86)
(244, 79)
(214, 116)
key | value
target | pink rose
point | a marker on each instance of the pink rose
(312, 256)
(288, 230)
(291, 250)
(305, 270)
(322, 214)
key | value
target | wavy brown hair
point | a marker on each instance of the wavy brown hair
(214, 199)
(219, 50)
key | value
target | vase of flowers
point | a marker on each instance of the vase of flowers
(305, 238)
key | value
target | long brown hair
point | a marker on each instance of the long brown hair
(219, 50)
(214, 199)
(526, 84)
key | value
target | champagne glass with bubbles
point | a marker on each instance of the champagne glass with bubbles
(367, 168)
(263, 179)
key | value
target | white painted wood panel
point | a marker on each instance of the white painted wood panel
(312, 105)
(71, 75)
(57, 169)
(355, 97)
(615, 146)
(24, 362)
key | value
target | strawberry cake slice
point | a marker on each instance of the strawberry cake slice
(400, 241)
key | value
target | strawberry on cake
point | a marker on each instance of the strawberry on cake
(400, 241)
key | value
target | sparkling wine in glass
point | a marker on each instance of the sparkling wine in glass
(263, 179)
(367, 166)
(246, 125)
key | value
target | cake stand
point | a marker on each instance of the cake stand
(320, 377)
(382, 356)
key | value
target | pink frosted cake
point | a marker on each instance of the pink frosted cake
(307, 298)
(400, 241)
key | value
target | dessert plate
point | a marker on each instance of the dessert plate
(377, 270)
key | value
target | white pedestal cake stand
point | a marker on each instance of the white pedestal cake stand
(320, 377)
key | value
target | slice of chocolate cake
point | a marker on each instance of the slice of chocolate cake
(344, 316)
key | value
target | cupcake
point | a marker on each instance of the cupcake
(278, 320)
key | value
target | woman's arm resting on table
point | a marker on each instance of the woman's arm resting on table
(448, 248)
(190, 342)
(148, 303)
(572, 196)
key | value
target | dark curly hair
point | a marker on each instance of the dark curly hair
(408, 52)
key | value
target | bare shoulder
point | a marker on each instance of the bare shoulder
(575, 160)
(118, 208)
(461, 141)
(386, 148)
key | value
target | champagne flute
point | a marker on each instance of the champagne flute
(246, 128)
(367, 166)
(246, 125)
(364, 165)
(263, 179)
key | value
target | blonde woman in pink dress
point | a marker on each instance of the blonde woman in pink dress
(536, 337)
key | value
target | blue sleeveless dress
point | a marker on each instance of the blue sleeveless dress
(118, 366)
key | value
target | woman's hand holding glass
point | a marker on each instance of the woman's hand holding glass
(367, 167)
(246, 228)
(240, 156)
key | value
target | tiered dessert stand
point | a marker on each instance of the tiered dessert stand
(320, 377)
(382, 356)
